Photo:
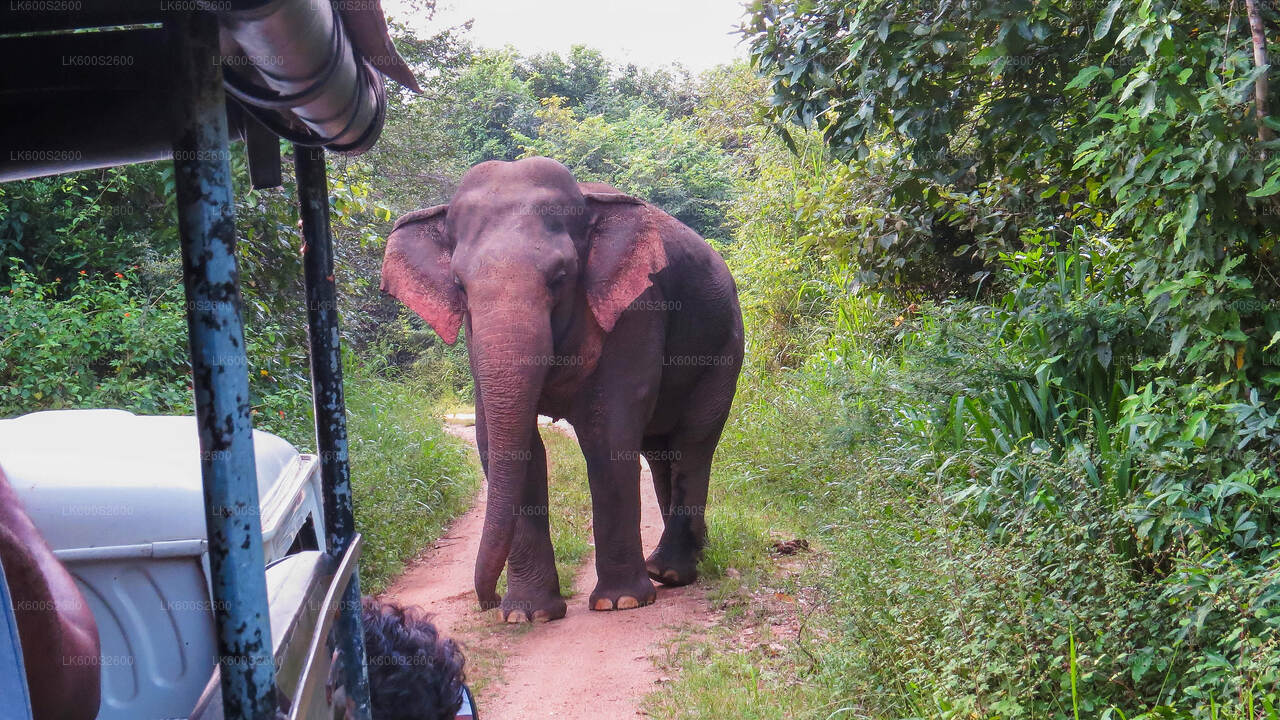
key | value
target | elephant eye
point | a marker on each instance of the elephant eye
(457, 282)
(558, 278)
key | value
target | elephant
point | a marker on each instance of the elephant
(585, 304)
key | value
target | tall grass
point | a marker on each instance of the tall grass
(975, 551)
(408, 476)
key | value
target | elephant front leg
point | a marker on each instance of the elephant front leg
(622, 580)
(533, 587)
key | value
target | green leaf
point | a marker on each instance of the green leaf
(1103, 351)
(1148, 101)
(1189, 217)
(1141, 663)
(1271, 188)
(786, 138)
(1084, 77)
(1104, 23)
(1134, 84)
(990, 54)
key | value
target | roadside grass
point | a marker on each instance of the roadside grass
(848, 628)
(902, 607)
(718, 684)
(570, 504)
(409, 478)
(759, 485)
(766, 470)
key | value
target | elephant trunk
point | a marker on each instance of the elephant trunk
(509, 356)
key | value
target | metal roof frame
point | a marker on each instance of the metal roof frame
(172, 104)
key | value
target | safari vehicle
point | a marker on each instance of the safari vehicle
(118, 497)
(277, 557)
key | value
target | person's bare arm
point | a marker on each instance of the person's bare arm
(59, 636)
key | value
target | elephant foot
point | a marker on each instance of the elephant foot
(623, 595)
(672, 568)
(526, 608)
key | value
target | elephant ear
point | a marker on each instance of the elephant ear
(625, 250)
(416, 270)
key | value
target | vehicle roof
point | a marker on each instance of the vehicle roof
(94, 478)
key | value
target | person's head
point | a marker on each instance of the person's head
(414, 674)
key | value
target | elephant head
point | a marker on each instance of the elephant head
(521, 254)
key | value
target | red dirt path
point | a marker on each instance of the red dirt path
(587, 665)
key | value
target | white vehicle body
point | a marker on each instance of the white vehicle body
(119, 498)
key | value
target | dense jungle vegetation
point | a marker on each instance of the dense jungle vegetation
(1009, 275)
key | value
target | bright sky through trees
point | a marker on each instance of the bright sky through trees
(697, 33)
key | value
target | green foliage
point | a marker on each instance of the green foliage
(647, 153)
(409, 477)
(582, 79)
(910, 608)
(102, 220)
(1086, 542)
(729, 112)
(1129, 124)
(671, 89)
(490, 105)
(779, 275)
(106, 344)
(1096, 168)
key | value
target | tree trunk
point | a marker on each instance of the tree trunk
(1260, 86)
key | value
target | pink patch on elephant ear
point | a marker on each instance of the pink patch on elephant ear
(626, 249)
(416, 271)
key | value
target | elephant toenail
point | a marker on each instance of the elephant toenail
(541, 616)
(671, 575)
(626, 602)
(603, 604)
(517, 616)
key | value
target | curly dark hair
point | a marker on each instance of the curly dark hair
(414, 674)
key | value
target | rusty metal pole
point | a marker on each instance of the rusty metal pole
(330, 406)
(206, 224)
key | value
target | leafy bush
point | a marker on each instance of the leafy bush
(1128, 128)
(661, 159)
(104, 220)
(1099, 168)
(103, 345)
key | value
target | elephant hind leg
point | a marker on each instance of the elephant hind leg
(675, 560)
(688, 455)
(657, 455)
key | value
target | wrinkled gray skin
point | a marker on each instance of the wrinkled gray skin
(580, 303)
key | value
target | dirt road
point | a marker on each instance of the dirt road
(587, 665)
